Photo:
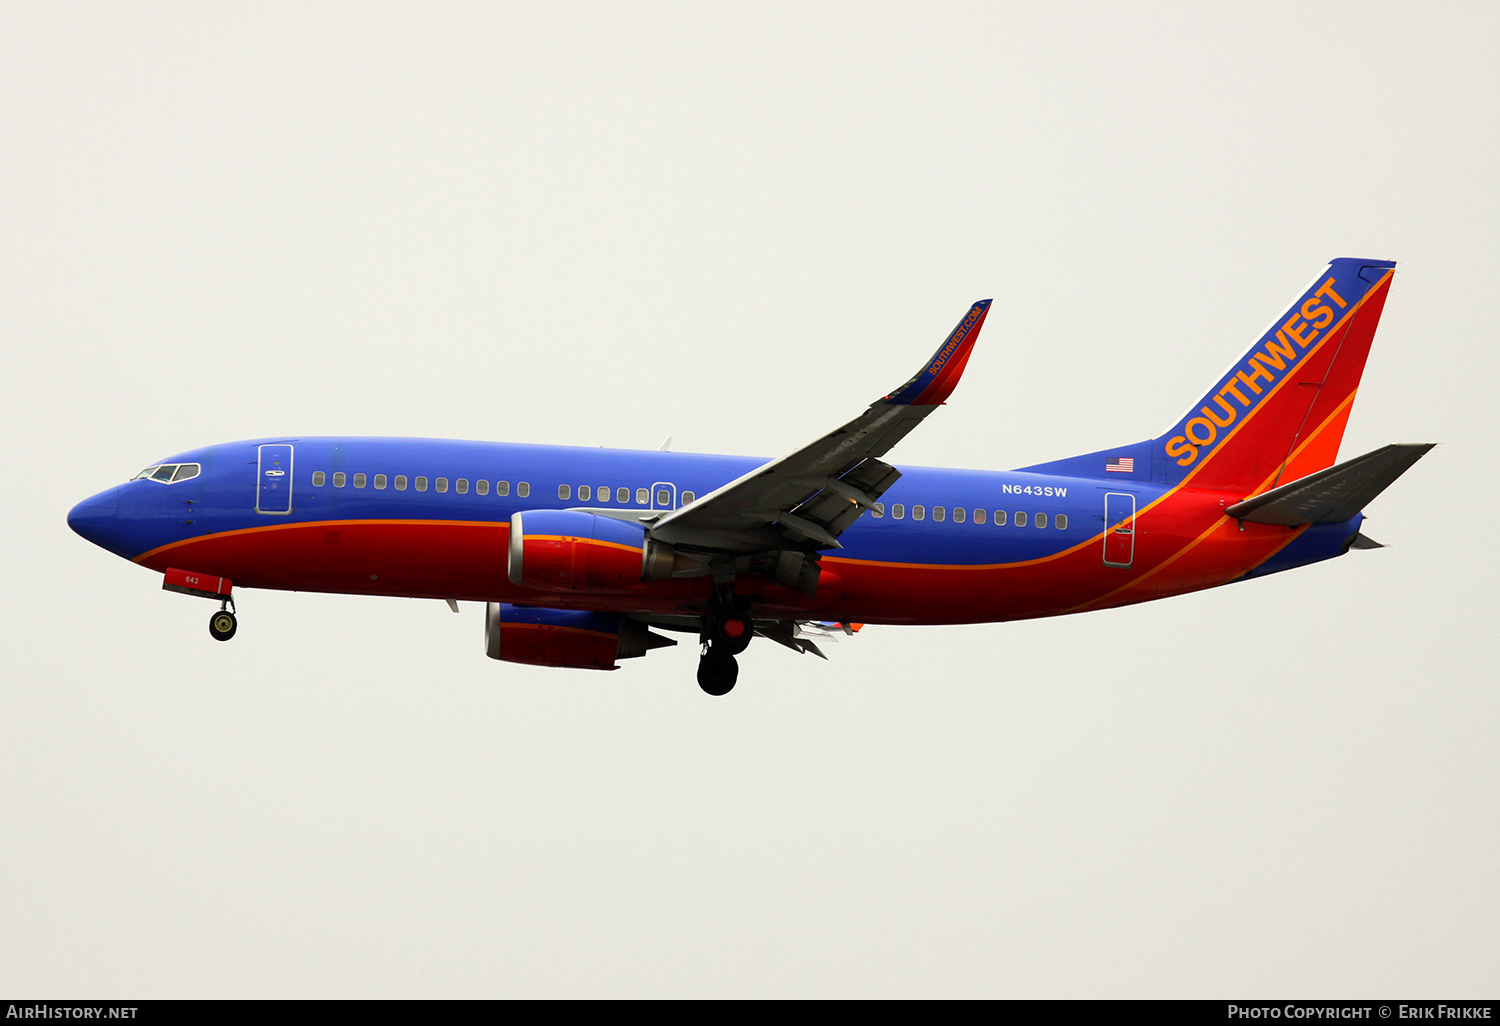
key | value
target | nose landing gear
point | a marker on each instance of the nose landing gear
(222, 625)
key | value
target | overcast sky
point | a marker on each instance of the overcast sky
(601, 224)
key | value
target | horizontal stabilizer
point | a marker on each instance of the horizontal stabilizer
(1334, 495)
(1364, 541)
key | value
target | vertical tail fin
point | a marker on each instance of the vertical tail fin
(1279, 412)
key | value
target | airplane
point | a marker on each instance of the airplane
(582, 555)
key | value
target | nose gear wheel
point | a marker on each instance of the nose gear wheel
(222, 625)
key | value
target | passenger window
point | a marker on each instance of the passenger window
(400, 482)
(482, 487)
(359, 480)
(622, 494)
(898, 512)
(1041, 520)
(663, 498)
(642, 496)
(959, 514)
(318, 478)
(919, 512)
(688, 497)
(502, 487)
(979, 516)
(186, 472)
(1061, 521)
(999, 518)
(584, 491)
(339, 479)
(164, 474)
(877, 510)
(939, 513)
(442, 484)
(604, 493)
(461, 486)
(379, 480)
(1021, 519)
(523, 488)
(421, 484)
(564, 491)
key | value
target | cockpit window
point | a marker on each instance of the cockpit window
(169, 473)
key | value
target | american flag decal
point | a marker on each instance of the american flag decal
(1121, 465)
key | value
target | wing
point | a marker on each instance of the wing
(804, 501)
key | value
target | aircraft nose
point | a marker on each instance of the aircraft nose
(96, 519)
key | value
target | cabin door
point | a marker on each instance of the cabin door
(273, 480)
(1119, 528)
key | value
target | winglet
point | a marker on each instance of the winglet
(935, 382)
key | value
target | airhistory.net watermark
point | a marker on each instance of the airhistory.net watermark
(47, 1011)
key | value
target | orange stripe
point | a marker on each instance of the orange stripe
(1327, 335)
(320, 523)
(587, 541)
(1215, 526)
(1219, 523)
(555, 627)
(1348, 316)
(1340, 413)
(966, 566)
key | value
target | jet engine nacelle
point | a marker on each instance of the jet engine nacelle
(564, 637)
(568, 550)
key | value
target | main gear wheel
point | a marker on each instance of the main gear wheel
(717, 672)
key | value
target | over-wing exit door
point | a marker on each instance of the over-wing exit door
(664, 495)
(1119, 528)
(273, 479)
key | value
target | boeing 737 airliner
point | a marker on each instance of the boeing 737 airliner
(579, 553)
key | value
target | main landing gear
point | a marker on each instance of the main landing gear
(725, 635)
(223, 624)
